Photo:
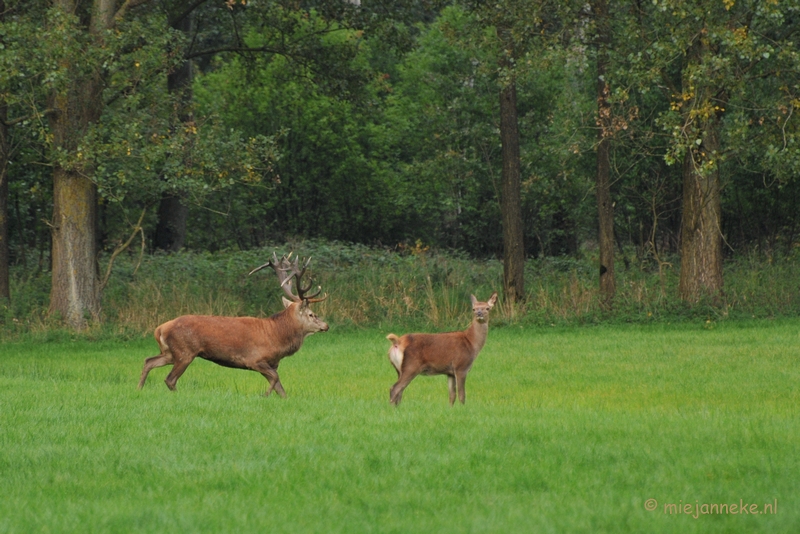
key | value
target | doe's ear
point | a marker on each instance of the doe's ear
(286, 302)
(492, 300)
(473, 299)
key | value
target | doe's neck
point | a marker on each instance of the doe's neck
(477, 332)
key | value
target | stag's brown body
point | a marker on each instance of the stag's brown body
(238, 342)
(449, 353)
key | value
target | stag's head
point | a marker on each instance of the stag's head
(290, 275)
(310, 321)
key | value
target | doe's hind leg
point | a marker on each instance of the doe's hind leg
(405, 378)
(451, 387)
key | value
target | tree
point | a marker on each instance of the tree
(170, 233)
(84, 32)
(5, 148)
(510, 197)
(701, 222)
(605, 206)
(107, 134)
(511, 22)
(718, 67)
(439, 126)
(75, 103)
(4, 159)
(521, 27)
(325, 183)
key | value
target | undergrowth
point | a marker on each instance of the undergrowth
(415, 287)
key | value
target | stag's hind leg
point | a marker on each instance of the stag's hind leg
(151, 363)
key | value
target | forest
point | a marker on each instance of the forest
(656, 137)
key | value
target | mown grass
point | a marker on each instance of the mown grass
(565, 430)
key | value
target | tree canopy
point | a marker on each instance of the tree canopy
(380, 123)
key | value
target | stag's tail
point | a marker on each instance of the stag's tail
(395, 352)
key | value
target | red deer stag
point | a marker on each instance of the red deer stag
(451, 353)
(242, 342)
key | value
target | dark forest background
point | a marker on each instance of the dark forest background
(657, 138)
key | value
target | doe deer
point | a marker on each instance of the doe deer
(242, 342)
(450, 353)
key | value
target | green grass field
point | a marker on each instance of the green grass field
(564, 430)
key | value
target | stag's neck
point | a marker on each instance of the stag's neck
(283, 335)
(476, 333)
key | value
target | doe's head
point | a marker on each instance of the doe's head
(481, 309)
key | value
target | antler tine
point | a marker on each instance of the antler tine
(311, 298)
(271, 263)
(300, 273)
(286, 270)
(281, 267)
(268, 264)
(301, 291)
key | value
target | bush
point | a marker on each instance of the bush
(412, 287)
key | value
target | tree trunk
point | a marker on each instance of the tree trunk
(5, 292)
(605, 207)
(75, 292)
(170, 232)
(510, 202)
(701, 238)
(171, 229)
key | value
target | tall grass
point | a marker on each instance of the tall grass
(416, 288)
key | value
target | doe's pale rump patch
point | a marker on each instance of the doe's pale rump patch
(395, 352)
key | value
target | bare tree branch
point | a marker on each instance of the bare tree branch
(123, 10)
(121, 247)
(186, 12)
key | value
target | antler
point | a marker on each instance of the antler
(286, 269)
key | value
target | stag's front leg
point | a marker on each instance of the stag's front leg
(271, 374)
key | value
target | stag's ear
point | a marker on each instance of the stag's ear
(286, 302)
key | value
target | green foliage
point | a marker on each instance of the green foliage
(324, 183)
